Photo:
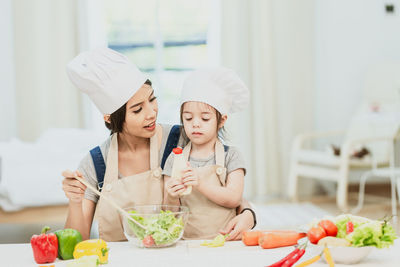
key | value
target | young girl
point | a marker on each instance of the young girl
(214, 171)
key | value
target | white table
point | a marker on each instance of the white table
(190, 253)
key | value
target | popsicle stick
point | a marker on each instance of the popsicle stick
(110, 201)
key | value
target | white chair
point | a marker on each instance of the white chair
(375, 126)
(392, 172)
(389, 172)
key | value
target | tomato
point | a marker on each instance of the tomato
(349, 227)
(315, 234)
(329, 227)
(148, 241)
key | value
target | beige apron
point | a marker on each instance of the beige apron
(140, 189)
(206, 218)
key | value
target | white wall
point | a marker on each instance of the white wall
(45, 41)
(293, 42)
(271, 48)
(350, 37)
(92, 34)
(7, 73)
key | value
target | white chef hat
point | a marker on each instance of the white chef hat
(106, 76)
(219, 87)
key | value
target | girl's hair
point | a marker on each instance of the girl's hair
(221, 131)
(117, 118)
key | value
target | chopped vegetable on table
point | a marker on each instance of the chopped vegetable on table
(85, 261)
(218, 241)
(44, 246)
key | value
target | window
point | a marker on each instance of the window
(165, 39)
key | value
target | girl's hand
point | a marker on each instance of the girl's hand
(73, 189)
(190, 176)
(175, 187)
(238, 225)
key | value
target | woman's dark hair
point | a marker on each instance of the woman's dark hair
(221, 131)
(117, 118)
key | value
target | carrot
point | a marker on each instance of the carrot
(250, 238)
(279, 239)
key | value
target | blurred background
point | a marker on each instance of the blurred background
(311, 66)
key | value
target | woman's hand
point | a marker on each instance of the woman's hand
(238, 225)
(190, 176)
(73, 189)
(175, 187)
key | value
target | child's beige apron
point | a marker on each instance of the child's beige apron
(140, 189)
(206, 218)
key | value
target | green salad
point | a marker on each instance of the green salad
(163, 228)
(365, 232)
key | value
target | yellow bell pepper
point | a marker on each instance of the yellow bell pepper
(92, 247)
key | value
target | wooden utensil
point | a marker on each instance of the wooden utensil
(110, 201)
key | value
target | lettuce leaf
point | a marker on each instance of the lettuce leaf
(388, 235)
(139, 231)
(341, 226)
(342, 220)
(367, 234)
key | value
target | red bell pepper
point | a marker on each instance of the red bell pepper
(44, 246)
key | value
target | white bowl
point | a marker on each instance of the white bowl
(343, 255)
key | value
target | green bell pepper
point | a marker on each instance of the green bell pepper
(67, 239)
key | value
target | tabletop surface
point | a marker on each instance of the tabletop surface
(191, 253)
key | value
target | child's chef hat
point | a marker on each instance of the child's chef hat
(219, 87)
(106, 76)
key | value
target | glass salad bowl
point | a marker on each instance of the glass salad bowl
(164, 225)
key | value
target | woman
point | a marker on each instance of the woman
(133, 152)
